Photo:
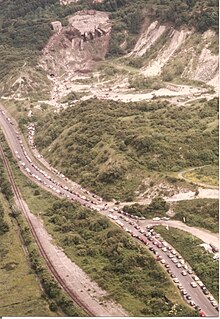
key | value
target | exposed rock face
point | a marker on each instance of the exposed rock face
(75, 48)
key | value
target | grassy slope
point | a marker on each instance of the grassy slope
(200, 260)
(128, 272)
(111, 147)
(199, 213)
(20, 292)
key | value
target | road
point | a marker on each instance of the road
(47, 180)
(205, 236)
(85, 292)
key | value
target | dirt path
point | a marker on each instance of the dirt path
(181, 175)
(204, 235)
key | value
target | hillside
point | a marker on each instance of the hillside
(149, 38)
(113, 151)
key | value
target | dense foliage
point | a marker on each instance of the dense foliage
(5, 189)
(113, 260)
(130, 15)
(199, 212)
(201, 261)
(110, 146)
(157, 207)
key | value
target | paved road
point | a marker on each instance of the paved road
(205, 236)
(44, 179)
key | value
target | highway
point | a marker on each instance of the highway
(46, 179)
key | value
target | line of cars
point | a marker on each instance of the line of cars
(149, 237)
(154, 241)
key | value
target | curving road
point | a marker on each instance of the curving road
(46, 179)
(181, 175)
(205, 236)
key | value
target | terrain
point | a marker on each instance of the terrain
(123, 99)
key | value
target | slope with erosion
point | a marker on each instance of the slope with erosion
(72, 58)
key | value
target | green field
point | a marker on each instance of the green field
(20, 290)
(201, 261)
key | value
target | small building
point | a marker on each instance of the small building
(57, 26)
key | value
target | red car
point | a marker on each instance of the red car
(202, 313)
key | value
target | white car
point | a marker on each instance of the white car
(156, 218)
(193, 284)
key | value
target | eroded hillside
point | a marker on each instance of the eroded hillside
(164, 62)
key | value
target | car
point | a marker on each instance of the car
(172, 275)
(178, 265)
(156, 218)
(211, 298)
(205, 292)
(176, 280)
(184, 273)
(204, 288)
(167, 266)
(190, 271)
(188, 297)
(202, 313)
(159, 257)
(159, 245)
(192, 303)
(170, 255)
(163, 261)
(174, 260)
(200, 283)
(184, 292)
(180, 287)
(193, 284)
(214, 303)
(169, 271)
(195, 278)
(164, 249)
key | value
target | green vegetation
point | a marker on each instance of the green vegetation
(129, 16)
(206, 175)
(201, 261)
(112, 151)
(113, 259)
(199, 212)
(17, 278)
(157, 207)
(58, 300)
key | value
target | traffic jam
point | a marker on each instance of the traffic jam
(179, 271)
(165, 254)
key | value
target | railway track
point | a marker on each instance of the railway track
(52, 269)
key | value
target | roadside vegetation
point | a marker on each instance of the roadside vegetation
(125, 269)
(201, 261)
(111, 152)
(202, 213)
(157, 207)
(20, 291)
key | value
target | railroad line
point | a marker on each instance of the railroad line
(52, 269)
